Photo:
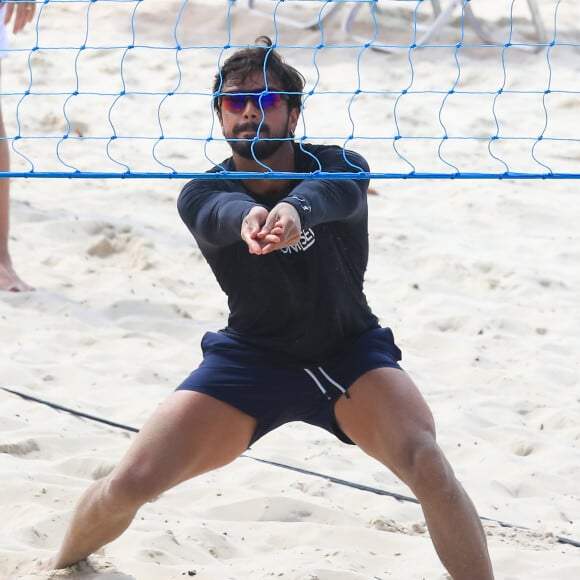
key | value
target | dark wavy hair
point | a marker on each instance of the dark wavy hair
(260, 57)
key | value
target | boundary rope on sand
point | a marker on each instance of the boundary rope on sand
(332, 479)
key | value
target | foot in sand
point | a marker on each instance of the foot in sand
(90, 569)
(9, 280)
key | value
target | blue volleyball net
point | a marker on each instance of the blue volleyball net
(422, 88)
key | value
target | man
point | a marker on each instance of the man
(23, 13)
(301, 342)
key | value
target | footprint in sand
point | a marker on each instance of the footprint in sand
(20, 447)
(134, 251)
(387, 525)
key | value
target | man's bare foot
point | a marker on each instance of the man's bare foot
(36, 569)
(46, 565)
(10, 282)
(49, 568)
(41, 568)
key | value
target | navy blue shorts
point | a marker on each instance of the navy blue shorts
(275, 393)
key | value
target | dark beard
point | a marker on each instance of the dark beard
(260, 149)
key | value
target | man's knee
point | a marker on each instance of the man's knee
(427, 470)
(129, 487)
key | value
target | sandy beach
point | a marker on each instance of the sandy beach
(479, 280)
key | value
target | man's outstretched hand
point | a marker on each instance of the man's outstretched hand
(266, 232)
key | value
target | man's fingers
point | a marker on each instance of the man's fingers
(9, 11)
(254, 247)
(267, 232)
(277, 230)
(272, 239)
(271, 222)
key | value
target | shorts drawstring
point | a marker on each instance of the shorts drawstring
(329, 379)
(317, 382)
(333, 382)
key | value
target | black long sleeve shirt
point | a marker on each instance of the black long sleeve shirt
(303, 302)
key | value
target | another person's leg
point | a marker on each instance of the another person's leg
(191, 433)
(9, 280)
(387, 417)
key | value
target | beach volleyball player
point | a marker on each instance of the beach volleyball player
(301, 342)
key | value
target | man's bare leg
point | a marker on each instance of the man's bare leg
(191, 433)
(9, 280)
(388, 418)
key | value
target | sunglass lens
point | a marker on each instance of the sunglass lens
(234, 102)
(269, 100)
(261, 100)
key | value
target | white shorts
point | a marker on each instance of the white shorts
(3, 33)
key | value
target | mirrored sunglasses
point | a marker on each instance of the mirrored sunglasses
(261, 99)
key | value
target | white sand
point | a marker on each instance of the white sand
(479, 280)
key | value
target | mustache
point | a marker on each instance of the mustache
(251, 126)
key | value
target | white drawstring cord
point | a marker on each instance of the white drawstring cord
(332, 381)
(317, 382)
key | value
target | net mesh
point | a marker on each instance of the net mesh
(421, 88)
